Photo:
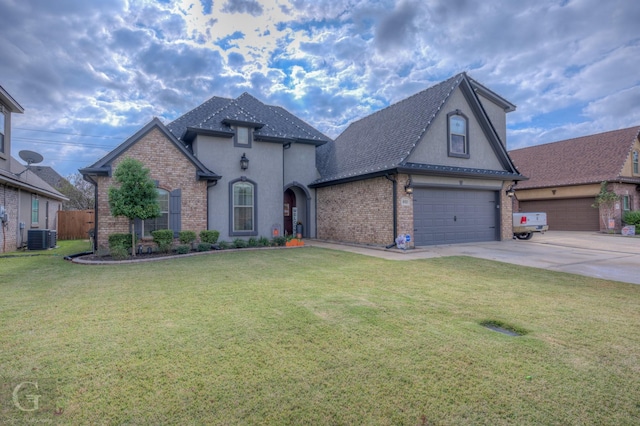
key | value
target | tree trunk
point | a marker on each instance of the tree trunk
(133, 238)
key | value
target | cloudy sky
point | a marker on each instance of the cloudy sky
(90, 73)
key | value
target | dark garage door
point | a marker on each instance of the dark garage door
(449, 216)
(574, 214)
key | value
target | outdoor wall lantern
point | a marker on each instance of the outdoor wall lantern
(244, 162)
(408, 188)
(510, 192)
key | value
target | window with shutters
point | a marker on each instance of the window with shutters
(160, 222)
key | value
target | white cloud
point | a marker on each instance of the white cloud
(110, 66)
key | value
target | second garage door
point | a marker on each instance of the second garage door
(450, 216)
(573, 214)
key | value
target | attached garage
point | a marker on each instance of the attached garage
(570, 214)
(450, 216)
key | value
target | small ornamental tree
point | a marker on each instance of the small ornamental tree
(606, 203)
(135, 197)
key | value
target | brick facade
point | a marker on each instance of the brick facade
(362, 212)
(622, 190)
(172, 170)
(9, 231)
(506, 211)
(358, 212)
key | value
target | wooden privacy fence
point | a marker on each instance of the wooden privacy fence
(75, 224)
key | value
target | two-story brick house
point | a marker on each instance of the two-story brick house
(433, 166)
(26, 201)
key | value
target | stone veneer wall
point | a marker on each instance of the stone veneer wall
(172, 170)
(357, 212)
(8, 235)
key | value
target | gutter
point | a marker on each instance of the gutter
(395, 210)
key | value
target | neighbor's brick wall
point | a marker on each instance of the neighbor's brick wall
(357, 212)
(172, 170)
(623, 189)
(506, 211)
(8, 235)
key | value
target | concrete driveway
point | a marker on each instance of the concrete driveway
(611, 257)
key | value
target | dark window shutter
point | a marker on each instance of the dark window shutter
(175, 211)
(137, 224)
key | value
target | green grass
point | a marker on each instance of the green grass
(313, 336)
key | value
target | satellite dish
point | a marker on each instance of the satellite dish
(30, 157)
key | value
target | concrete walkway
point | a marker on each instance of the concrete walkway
(593, 254)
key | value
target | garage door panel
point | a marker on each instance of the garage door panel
(572, 214)
(448, 216)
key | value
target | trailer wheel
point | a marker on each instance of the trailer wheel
(524, 235)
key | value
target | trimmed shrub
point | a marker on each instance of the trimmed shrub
(225, 245)
(183, 248)
(186, 237)
(204, 247)
(120, 240)
(279, 241)
(209, 236)
(252, 242)
(164, 239)
(119, 253)
(239, 243)
(263, 242)
(632, 218)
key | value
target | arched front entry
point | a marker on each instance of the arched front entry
(297, 209)
(290, 211)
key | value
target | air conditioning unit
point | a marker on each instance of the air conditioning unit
(38, 239)
(53, 238)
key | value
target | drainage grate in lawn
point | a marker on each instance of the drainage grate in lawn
(503, 328)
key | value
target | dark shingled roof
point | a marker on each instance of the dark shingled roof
(49, 175)
(382, 140)
(270, 122)
(584, 160)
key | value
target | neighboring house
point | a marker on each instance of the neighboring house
(228, 165)
(433, 166)
(26, 201)
(77, 199)
(49, 175)
(565, 177)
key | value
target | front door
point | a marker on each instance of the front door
(289, 205)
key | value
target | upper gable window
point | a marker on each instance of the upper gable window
(2, 129)
(243, 137)
(635, 162)
(458, 134)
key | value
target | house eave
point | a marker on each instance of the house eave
(7, 100)
(450, 171)
(19, 184)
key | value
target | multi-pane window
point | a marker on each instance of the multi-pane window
(458, 135)
(625, 203)
(162, 221)
(35, 210)
(635, 162)
(243, 206)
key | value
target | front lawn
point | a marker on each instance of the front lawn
(313, 336)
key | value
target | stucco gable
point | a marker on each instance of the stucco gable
(385, 140)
